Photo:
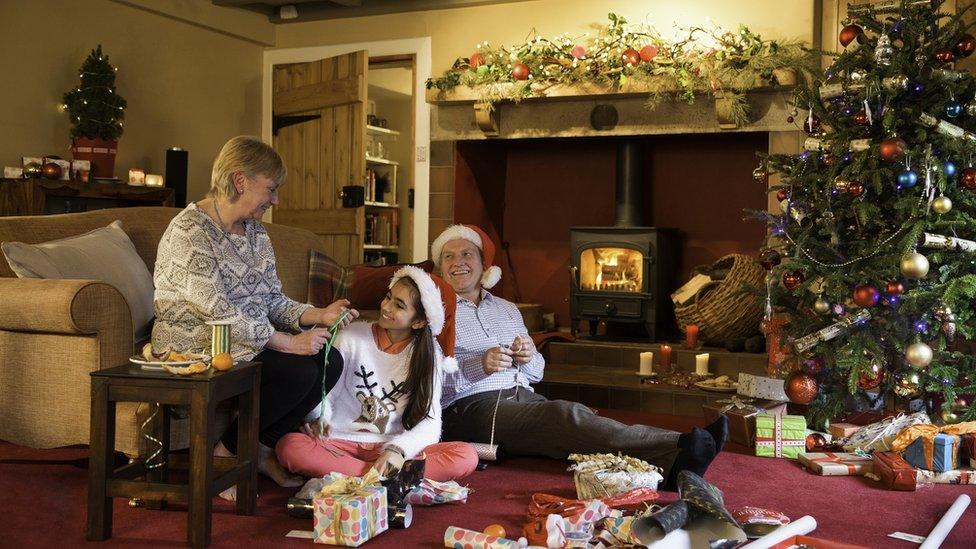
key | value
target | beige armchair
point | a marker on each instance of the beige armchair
(53, 333)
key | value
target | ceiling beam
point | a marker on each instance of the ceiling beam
(331, 10)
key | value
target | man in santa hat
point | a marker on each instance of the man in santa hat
(490, 398)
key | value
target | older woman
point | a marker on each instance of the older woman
(215, 262)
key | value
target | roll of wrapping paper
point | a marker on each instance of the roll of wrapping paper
(948, 520)
(799, 527)
(462, 538)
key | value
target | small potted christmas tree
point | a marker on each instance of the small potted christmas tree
(96, 114)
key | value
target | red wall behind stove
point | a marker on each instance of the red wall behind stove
(528, 193)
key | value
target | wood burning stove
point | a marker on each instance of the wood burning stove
(625, 273)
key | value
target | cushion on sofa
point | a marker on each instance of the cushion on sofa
(106, 254)
(363, 285)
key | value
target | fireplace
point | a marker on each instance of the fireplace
(625, 273)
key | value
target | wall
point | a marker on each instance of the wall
(454, 32)
(187, 84)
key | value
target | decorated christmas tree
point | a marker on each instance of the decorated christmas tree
(95, 110)
(873, 258)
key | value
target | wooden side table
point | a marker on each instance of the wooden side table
(208, 476)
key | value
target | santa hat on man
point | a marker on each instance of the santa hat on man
(476, 236)
(439, 302)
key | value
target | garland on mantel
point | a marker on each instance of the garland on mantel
(622, 57)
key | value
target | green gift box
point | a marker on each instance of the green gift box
(780, 436)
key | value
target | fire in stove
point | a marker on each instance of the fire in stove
(612, 270)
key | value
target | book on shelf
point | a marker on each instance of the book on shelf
(383, 228)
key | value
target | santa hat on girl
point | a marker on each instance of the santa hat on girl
(439, 302)
(479, 238)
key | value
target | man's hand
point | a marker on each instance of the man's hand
(389, 463)
(524, 349)
(313, 430)
(497, 359)
(329, 315)
(309, 342)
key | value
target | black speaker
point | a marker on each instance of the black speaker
(176, 166)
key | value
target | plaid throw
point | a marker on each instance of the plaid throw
(327, 280)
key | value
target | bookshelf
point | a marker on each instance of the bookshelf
(381, 241)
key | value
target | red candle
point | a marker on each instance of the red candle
(691, 336)
(665, 352)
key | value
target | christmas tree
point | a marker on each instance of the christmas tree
(95, 110)
(877, 234)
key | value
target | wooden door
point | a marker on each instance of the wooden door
(326, 151)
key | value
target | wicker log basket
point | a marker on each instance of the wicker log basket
(720, 309)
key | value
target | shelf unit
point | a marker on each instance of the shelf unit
(381, 241)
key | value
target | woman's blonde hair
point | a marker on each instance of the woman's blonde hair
(248, 155)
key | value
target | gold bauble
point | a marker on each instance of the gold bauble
(821, 306)
(841, 184)
(941, 205)
(907, 385)
(949, 417)
(760, 175)
(914, 265)
(919, 355)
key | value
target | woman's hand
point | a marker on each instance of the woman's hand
(389, 463)
(314, 430)
(309, 342)
(329, 315)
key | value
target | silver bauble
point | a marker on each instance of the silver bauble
(897, 82)
(821, 306)
(971, 108)
(919, 355)
(760, 175)
(883, 51)
(858, 76)
(914, 265)
(941, 205)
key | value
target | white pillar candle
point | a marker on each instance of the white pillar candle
(701, 364)
(646, 363)
(154, 180)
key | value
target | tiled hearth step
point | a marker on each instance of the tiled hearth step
(603, 375)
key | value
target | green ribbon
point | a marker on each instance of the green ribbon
(325, 364)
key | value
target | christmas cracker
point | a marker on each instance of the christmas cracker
(830, 332)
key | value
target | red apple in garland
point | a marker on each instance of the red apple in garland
(520, 71)
(632, 57)
(648, 52)
(476, 60)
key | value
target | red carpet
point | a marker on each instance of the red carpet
(43, 503)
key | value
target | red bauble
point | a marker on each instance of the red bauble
(769, 258)
(894, 288)
(871, 379)
(968, 179)
(782, 195)
(892, 149)
(855, 189)
(632, 57)
(520, 71)
(965, 46)
(792, 279)
(828, 159)
(802, 388)
(866, 295)
(51, 170)
(850, 33)
(943, 56)
(476, 60)
(816, 442)
(861, 118)
(811, 124)
(647, 53)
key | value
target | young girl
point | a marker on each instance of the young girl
(385, 406)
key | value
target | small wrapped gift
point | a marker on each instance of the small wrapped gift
(880, 436)
(893, 471)
(780, 435)
(604, 475)
(761, 387)
(843, 430)
(350, 510)
(742, 412)
(937, 453)
(830, 464)
(956, 476)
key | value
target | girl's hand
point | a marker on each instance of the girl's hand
(389, 463)
(314, 430)
(329, 315)
(309, 342)
(524, 349)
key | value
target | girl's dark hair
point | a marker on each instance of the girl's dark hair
(419, 385)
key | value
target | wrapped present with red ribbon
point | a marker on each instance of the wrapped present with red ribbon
(742, 412)
(894, 472)
(780, 435)
(830, 464)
